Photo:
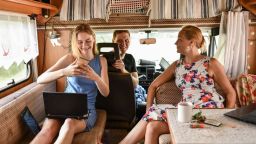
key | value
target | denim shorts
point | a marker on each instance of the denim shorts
(90, 121)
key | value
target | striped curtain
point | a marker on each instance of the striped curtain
(183, 9)
(83, 9)
(233, 42)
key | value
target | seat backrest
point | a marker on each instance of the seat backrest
(120, 104)
(169, 93)
(246, 89)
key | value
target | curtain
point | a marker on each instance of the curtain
(233, 42)
(83, 9)
(18, 39)
(183, 9)
(213, 45)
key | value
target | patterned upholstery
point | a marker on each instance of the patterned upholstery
(12, 128)
(168, 93)
(246, 89)
(165, 139)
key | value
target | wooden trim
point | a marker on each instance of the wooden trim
(14, 7)
(35, 4)
(250, 5)
(252, 2)
(30, 7)
(17, 87)
(132, 22)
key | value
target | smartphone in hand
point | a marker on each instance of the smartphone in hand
(82, 61)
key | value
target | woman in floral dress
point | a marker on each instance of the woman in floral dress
(195, 76)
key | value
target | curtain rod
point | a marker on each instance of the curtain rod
(118, 26)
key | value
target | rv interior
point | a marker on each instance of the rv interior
(35, 34)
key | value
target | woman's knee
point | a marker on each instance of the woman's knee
(152, 127)
(69, 124)
(157, 128)
(50, 127)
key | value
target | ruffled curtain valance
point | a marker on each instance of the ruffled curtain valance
(18, 39)
(183, 9)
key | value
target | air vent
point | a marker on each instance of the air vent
(137, 7)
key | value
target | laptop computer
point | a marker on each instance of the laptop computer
(65, 105)
(164, 64)
(246, 113)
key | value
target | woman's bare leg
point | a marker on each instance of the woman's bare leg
(136, 134)
(154, 130)
(49, 131)
(69, 129)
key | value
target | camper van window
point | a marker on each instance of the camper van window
(18, 46)
(14, 75)
(164, 47)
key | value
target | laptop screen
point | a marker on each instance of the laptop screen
(246, 113)
(64, 105)
(164, 64)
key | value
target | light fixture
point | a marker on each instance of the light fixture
(54, 37)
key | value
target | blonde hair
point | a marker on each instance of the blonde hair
(82, 28)
(195, 34)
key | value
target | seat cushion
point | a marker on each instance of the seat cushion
(95, 135)
(165, 139)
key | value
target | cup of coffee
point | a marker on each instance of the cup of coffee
(185, 112)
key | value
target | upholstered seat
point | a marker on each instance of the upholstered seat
(96, 134)
(120, 104)
(167, 93)
(13, 130)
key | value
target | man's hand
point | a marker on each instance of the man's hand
(119, 64)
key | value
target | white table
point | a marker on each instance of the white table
(231, 130)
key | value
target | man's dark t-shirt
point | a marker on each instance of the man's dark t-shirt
(129, 63)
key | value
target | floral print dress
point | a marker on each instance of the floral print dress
(196, 86)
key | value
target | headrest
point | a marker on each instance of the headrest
(146, 62)
(111, 52)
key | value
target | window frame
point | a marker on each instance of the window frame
(29, 68)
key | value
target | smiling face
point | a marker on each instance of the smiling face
(123, 41)
(190, 39)
(85, 43)
(183, 44)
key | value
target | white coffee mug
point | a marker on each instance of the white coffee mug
(185, 112)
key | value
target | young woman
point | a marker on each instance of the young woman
(195, 75)
(86, 72)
